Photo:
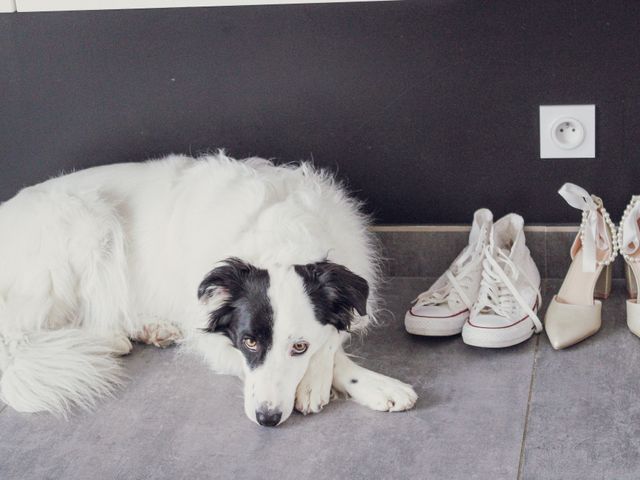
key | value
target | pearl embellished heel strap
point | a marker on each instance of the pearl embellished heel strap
(573, 315)
(629, 241)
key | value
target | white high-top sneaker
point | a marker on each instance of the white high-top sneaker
(443, 309)
(509, 296)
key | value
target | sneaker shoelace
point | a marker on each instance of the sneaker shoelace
(457, 279)
(497, 292)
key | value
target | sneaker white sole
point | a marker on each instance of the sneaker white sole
(476, 340)
(498, 337)
(435, 326)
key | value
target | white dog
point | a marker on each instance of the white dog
(95, 258)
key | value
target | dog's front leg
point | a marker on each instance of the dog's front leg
(159, 334)
(369, 388)
(314, 390)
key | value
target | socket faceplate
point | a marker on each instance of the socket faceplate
(567, 131)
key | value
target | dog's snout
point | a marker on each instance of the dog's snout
(268, 418)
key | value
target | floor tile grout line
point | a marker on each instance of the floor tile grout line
(528, 411)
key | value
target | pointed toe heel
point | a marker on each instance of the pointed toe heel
(562, 328)
(633, 317)
(629, 241)
(573, 315)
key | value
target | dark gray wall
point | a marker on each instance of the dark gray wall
(429, 110)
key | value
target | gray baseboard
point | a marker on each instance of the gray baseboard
(427, 250)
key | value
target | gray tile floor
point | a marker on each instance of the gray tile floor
(523, 412)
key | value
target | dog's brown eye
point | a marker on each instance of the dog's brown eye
(299, 348)
(250, 343)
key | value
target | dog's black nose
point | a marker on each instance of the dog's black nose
(268, 418)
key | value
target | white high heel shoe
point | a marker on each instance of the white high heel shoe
(629, 243)
(444, 307)
(573, 315)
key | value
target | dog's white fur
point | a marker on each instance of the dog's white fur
(92, 259)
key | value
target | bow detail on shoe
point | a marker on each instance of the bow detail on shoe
(630, 242)
(593, 230)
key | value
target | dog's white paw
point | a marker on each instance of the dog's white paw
(382, 393)
(314, 390)
(312, 398)
(159, 334)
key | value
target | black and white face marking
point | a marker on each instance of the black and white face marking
(278, 319)
(245, 314)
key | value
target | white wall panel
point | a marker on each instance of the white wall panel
(7, 6)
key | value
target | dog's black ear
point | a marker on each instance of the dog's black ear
(223, 281)
(218, 287)
(335, 292)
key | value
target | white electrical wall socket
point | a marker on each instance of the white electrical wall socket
(567, 131)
